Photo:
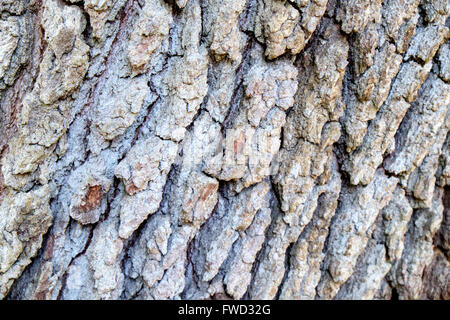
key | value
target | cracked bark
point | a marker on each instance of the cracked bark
(205, 149)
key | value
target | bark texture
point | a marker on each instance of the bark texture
(243, 149)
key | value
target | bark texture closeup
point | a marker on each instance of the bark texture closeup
(224, 149)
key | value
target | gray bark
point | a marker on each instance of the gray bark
(243, 149)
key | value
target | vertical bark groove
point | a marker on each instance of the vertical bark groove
(232, 149)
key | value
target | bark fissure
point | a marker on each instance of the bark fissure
(224, 149)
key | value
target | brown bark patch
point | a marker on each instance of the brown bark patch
(48, 253)
(208, 190)
(92, 199)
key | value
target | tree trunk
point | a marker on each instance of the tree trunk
(243, 149)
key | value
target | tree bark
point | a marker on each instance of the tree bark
(232, 149)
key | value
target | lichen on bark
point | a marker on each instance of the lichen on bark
(243, 149)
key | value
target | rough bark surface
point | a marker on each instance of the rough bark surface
(206, 149)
